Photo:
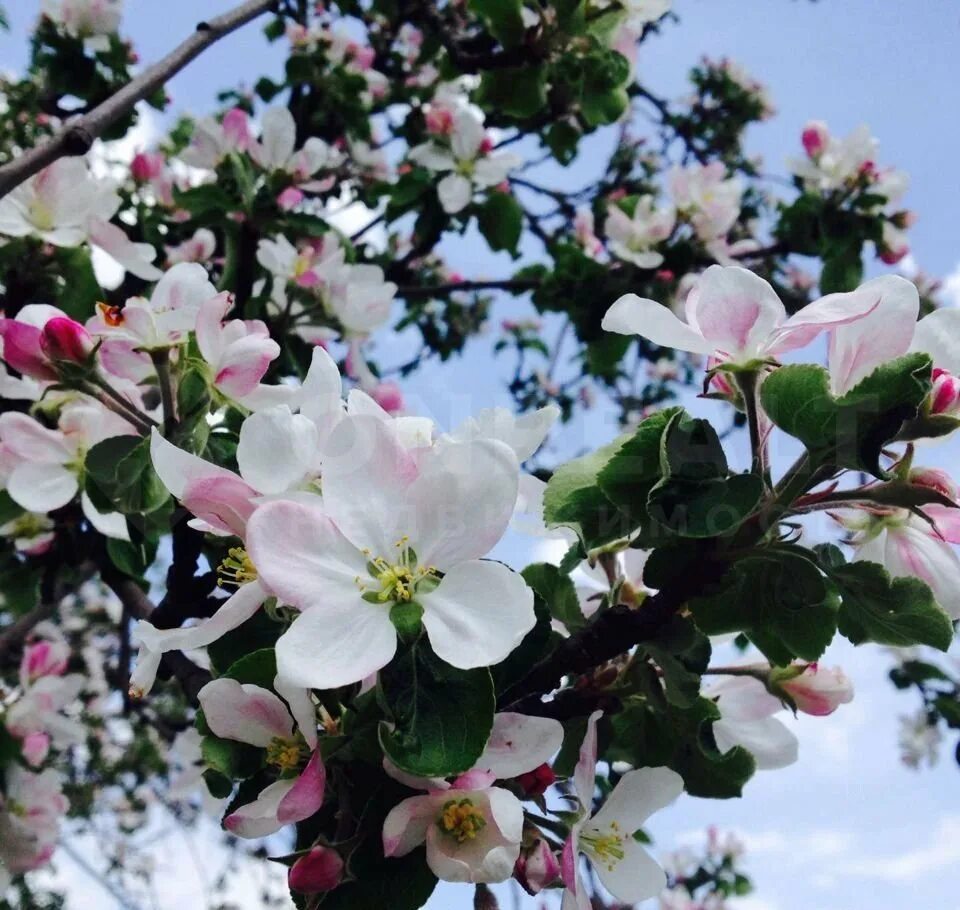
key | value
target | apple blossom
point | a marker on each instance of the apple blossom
(275, 149)
(737, 317)
(238, 352)
(835, 163)
(633, 238)
(468, 162)
(814, 689)
(470, 835)
(198, 248)
(814, 138)
(746, 719)
(389, 525)
(93, 20)
(213, 140)
(622, 865)
(537, 867)
(251, 714)
(65, 205)
(40, 709)
(910, 546)
(707, 197)
(161, 321)
(30, 812)
(47, 463)
(43, 658)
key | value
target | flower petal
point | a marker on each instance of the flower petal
(633, 315)
(177, 468)
(455, 192)
(939, 336)
(306, 796)
(634, 878)
(768, 741)
(405, 827)
(519, 744)
(277, 449)
(41, 487)
(857, 349)
(259, 818)
(336, 644)
(637, 795)
(478, 614)
(244, 712)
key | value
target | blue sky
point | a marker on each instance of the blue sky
(847, 826)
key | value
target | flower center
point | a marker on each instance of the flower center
(236, 569)
(604, 847)
(41, 215)
(284, 753)
(112, 315)
(461, 820)
(399, 579)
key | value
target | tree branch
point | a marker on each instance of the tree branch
(439, 290)
(77, 135)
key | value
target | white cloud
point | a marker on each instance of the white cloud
(950, 288)
(940, 853)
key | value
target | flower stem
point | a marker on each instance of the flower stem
(749, 386)
(161, 363)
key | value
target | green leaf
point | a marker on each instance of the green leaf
(696, 497)
(403, 883)
(81, 290)
(258, 633)
(258, 668)
(19, 587)
(682, 652)
(574, 499)
(121, 471)
(842, 272)
(849, 431)
(682, 739)
(562, 138)
(502, 18)
(779, 598)
(9, 510)
(235, 761)
(132, 557)
(518, 91)
(890, 611)
(442, 716)
(556, 590)
(500, 219)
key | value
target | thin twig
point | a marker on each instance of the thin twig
(78, 134)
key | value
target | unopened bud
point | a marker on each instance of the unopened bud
(945, 394)
(814, 138)
(537, 781)
(64, 339)
(536, 867)
(319, 870)
(817, 691)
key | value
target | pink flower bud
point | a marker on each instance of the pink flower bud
(43, 658)
(363, 57)
(22, 350)
(819, 691)
(945, 395)
(64, 339)
(814, 138)
(936, 479)
(319, 870)
(146, 166)
(389, 396)
(537, 867)
(486, 146)
(289, 198)
(36, 746)
(537, 781)
(892, 255)
(665, 275)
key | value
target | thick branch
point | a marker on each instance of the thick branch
(77, 135)
(613, 633)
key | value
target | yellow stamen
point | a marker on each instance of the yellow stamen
(237, 569)
(605, 848)
(461, 819)
(284, 753)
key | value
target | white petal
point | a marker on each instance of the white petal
(633, 315)
(478, 614)
(769, 741)
(519, 744)
(939, 336)
(637, 795)
(259, 818)
(455, 193)
(244, 712)
(336, 645)
(40, 487)
(277, 449)
(634, 878)
(110, 524)
(177, 468)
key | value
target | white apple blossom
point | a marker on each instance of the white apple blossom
(198, 248)
(66, 206)
(287, 729)
(467, 160)
(275, 150)
(746, 719)
(46, 464)
(634, 238)
(707, 197)
(93, 20)
(31, 808)
(390, 523)
(606, 838)
(737, 317)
